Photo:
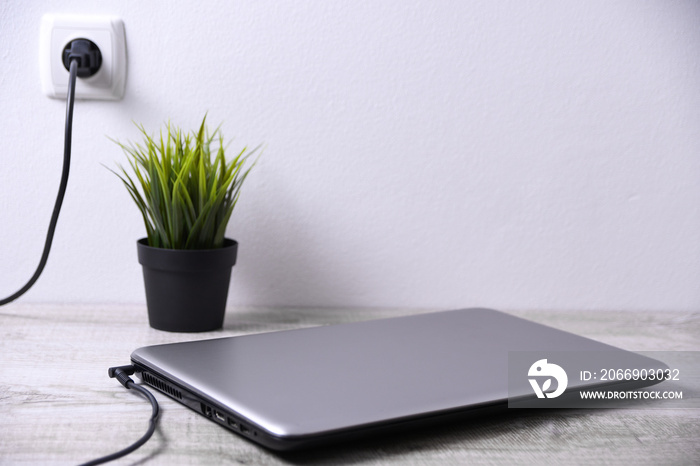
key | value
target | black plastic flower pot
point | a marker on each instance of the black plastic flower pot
(186, 290)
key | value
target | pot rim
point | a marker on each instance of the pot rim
(187, 260)
(228, 242)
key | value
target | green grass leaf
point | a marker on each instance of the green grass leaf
(186, 199)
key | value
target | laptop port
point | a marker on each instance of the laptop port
(232, 423)
(219, 416)
(206, 410)
(244, 429)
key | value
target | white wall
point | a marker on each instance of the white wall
(421, 153)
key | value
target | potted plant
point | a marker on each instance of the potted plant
(186, 190)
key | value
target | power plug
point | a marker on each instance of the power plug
(88, 55)
(98, 42)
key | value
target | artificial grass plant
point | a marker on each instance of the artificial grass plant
(185, 195)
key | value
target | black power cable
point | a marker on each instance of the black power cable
(122, 374)
(82, 58)
(61, 189)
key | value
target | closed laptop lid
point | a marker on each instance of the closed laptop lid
(321, 380)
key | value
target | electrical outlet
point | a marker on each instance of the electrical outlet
(106, 32)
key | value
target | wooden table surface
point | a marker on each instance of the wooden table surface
(57, 405)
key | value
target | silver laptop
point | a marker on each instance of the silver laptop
(300, 388)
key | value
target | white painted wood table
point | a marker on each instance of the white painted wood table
(57, 405)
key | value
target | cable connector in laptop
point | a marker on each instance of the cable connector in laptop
(122, 373)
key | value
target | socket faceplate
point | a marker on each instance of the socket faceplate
(107, 32)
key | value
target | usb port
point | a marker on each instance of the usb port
(244, 429)
(219, 416)
(232, 423)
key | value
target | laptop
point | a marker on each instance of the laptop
(292, 389)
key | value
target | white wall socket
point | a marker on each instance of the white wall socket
(106, 32)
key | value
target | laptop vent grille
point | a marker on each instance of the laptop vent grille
(162, 386)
